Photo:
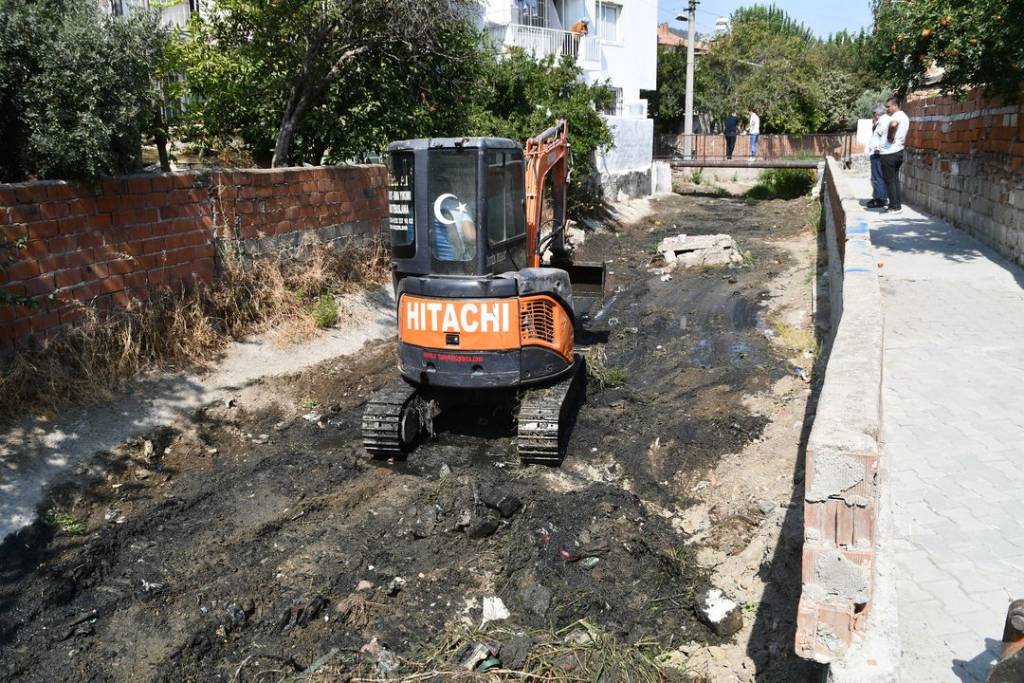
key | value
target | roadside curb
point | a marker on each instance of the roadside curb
(845, 584)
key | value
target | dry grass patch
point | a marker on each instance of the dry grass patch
(188, 327)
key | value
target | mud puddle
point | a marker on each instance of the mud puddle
(261, 544)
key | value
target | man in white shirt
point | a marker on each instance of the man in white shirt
(892, 151)
(879, 129)
(754, 129)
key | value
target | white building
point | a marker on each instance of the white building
(172, 13)
(621, 47)
(722, 26)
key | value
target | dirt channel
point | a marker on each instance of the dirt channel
(258, 542)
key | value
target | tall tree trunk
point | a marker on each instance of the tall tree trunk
(160, 138)
(303, 93)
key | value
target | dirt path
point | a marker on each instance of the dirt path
(250, 541)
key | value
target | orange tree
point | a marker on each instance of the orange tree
(977, 42)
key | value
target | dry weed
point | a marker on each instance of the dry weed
(186, 328)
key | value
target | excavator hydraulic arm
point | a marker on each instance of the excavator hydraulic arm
(548, 155)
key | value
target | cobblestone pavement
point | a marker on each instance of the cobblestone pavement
(953, 431)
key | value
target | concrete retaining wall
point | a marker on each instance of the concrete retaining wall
(841, 486)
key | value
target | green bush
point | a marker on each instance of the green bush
(325, 313)
(76, 88)
(783, 183)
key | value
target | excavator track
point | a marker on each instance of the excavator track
(544, 416)
(390, 423)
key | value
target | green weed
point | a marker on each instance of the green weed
(64, 522)
(325, 313)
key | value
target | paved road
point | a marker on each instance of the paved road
(953, 405)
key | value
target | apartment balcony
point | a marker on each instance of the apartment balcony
(542, 42)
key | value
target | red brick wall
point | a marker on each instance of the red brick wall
(975, 124)
(965, 163)
(768, 146)
(106, 243)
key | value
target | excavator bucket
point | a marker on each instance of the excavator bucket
(587, 278)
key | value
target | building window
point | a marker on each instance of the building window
(615, 108)
(608, 21)
(533, 12)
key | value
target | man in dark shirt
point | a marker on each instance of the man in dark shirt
(732, 127)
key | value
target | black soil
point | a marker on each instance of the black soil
(248, 532)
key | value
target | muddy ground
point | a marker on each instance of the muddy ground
(256, 541)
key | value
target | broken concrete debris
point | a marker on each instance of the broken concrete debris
(699, 250)
(722, 614)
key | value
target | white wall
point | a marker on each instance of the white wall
(632, 62)
(634, 145)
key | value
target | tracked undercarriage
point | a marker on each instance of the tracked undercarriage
(400, 414)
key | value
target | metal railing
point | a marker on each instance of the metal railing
(542, 42)
(714, 147)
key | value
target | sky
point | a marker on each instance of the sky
(821, 17)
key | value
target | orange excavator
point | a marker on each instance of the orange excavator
(482, 317)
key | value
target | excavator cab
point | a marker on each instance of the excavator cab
(457, 207)
(480, 317)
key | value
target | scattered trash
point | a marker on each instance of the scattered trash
(395, 586)
(445, 471)
(148, 450)
(799, 372)
(312, 417)
(723, 615)
(230, 403)
(666, 277)
(494, 610)
(261, 439)
(568, 555)
(282, 425)
(110, 515)
(766, 506)
(769, 334)
(364, 585)
(475, 656)
(489, 663)
(589, 562)
(154, 586)
(212, 451)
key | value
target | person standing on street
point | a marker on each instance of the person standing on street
(754, 129)
(732, 128)
(879, 130)
(892, 151)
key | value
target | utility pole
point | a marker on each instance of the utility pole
(691, 20)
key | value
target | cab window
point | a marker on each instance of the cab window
(505, 197)
(452, 209)
(401, 219)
